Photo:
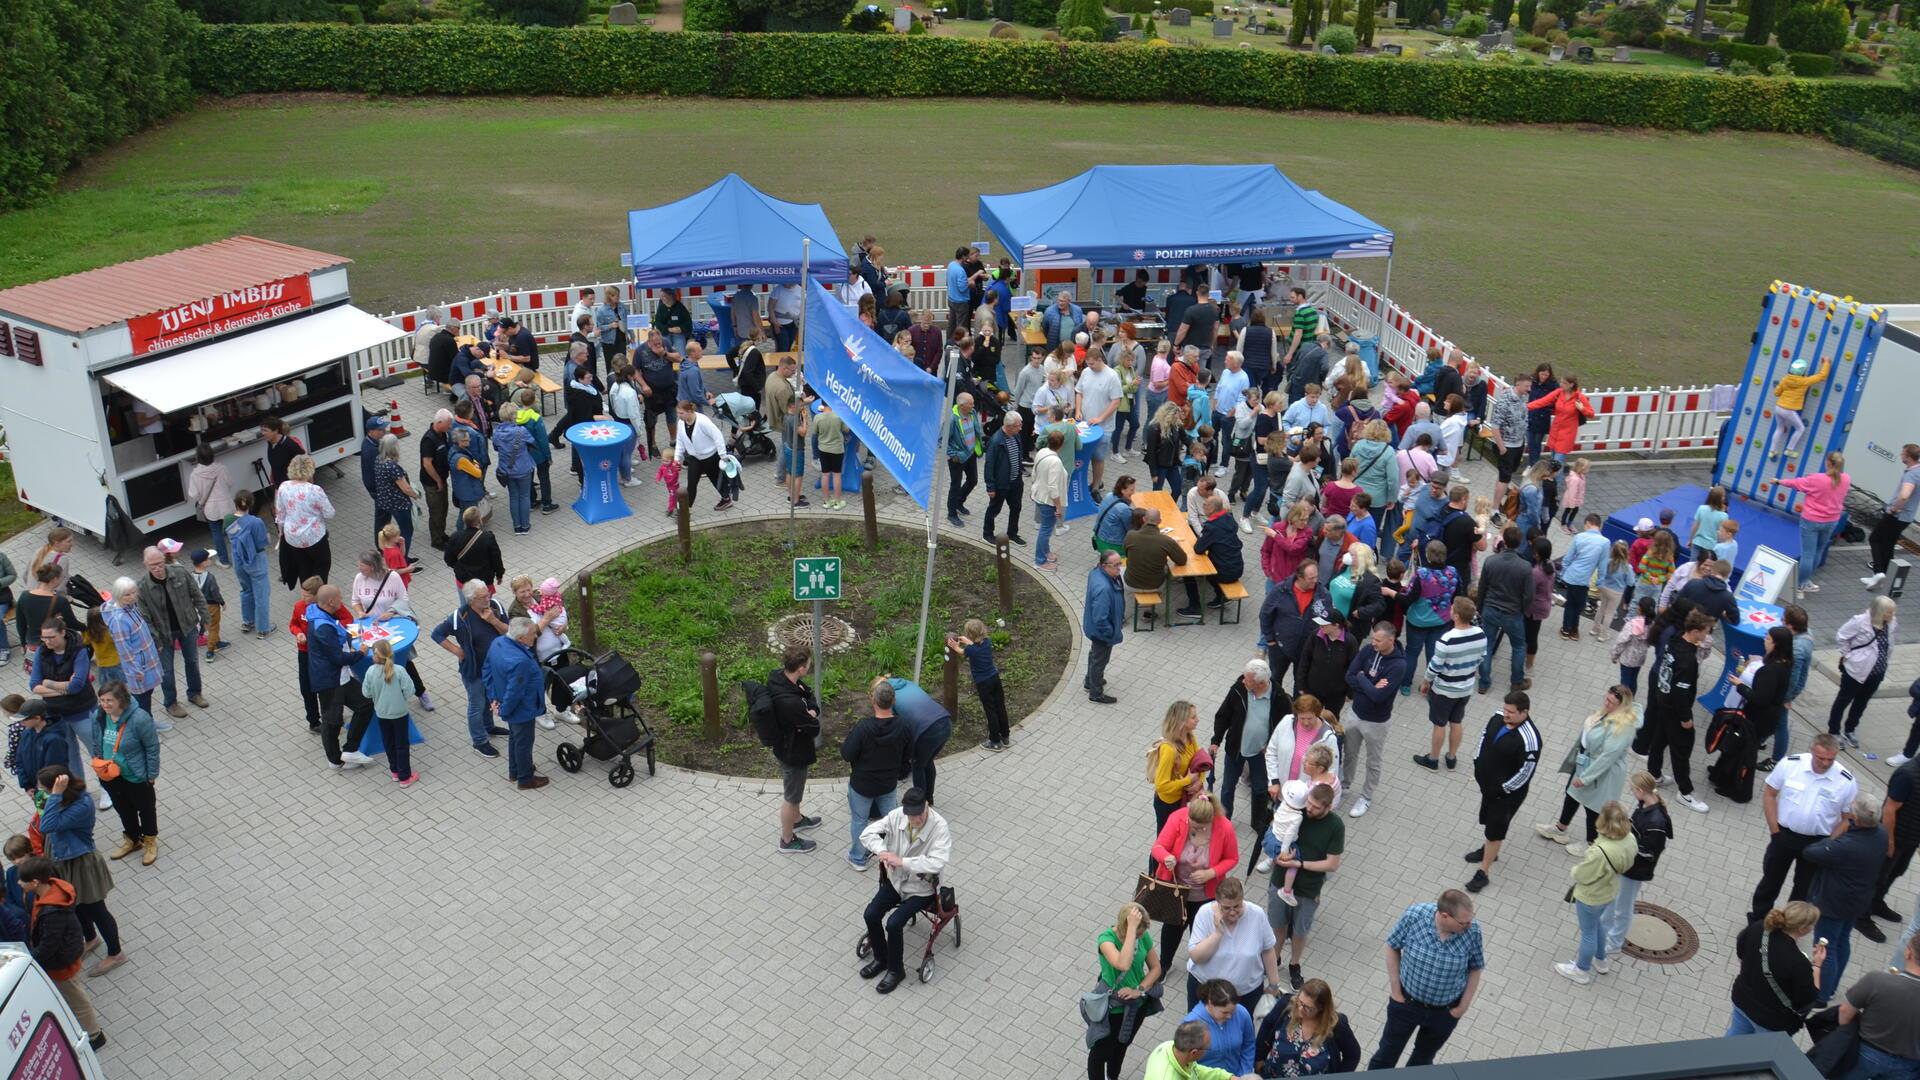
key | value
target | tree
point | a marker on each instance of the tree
(1336, 13)
(1502, 13)
(1091, 14)
(1813, 28)
(1151, 32)
(1301, 20)
(1760, 14)
(1526, 12)
(1906, 63)
(541, 12)
(1363, 23)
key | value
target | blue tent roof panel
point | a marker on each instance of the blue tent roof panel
(731, 232)
(1159, 215)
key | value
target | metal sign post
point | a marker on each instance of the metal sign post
(800, 349)
(817, 579)
(933, 513)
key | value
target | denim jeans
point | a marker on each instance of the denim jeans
(1630, 678)
(1256, 770)
(1576, 606)
(862, 809)
(255, 597)
(82, 732)
(1429, 1027)
(1814, 536)
(1741, 1024)
(543, 485)
(165, 644)
(887, 916)
(1593, 940)
(1513, 627)
(520, 752)
(218, 531)
(1877, 1064)
(1839, 935)
(1420, 642)
(1128, 423)
(1619, 916)
(6, 620)
(520, 501)
(479, 718)
(1257, 489)
(926, 747)
(1045, 516)
(403, 520)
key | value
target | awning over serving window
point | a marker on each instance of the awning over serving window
(225, 366)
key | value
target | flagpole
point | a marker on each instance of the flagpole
(933, 521)
(800, 353)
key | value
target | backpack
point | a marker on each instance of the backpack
(1732, 737)
(766, 726)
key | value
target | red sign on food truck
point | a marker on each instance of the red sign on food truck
(219, 314)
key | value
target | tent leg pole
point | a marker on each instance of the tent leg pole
(800, 351)
(952, 356)
(1386, 300)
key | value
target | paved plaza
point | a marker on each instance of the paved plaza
(308, 923)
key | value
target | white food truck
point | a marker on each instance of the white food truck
(110, 379)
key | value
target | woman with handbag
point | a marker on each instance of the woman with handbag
(1305, 1035)
(1866, 644)
(1596, 882)
(127, 760)
(66, 819)
(1130, 986)
(1777, 983)
(1596, 764)
(1652, 829)
(1194, 851)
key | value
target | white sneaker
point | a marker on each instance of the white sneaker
(1694, 804)
(1118, 459)
(1573, 974)
(1219, 470)
(1600, 966)
(102, 800)
(571, 717)
(1898, 760)
(1060, 529)
(1872, 581)
(1662, 781)
(1265, 864)
(1360, 807)
(1246, 526)
(545, 720)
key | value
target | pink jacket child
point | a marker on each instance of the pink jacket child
(669, 475)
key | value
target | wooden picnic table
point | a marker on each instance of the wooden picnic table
(1174, 524)
(510, 374)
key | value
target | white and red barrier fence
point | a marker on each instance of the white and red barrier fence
(1639, 420)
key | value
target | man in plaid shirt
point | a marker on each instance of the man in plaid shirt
(1434, 961)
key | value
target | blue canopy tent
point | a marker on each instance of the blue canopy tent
(731, 232)
(1178, 215)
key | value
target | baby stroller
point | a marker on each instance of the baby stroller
(600, 692)
(752, 438)
(945, 909)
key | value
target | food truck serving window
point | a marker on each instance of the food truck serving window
(226, 366)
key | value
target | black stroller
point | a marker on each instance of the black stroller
(605, 707)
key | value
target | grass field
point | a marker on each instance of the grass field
(1632, 257)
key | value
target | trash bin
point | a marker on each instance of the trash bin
(1369, 353)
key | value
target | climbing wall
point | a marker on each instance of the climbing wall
(1798, 323)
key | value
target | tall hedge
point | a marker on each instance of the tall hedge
(76, 75)
(430, 59)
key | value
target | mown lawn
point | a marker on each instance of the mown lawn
(1632, 257)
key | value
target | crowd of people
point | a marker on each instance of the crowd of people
(1387, 578)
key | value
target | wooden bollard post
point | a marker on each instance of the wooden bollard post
(710, 694)
(866, 508)
(684, 519)
(950, 681)
(1003, 567)
(584, 605)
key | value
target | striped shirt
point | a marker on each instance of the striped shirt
(1455, 666)
(1307, 321)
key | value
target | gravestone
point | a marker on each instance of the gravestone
(1391, 50)
(1329, 50)
(1622, 54)
(1556, 54)
(1585, 54)
(623, 15)
(1488, 41)
(1714, 59)
(903, 20)
(1709, 34)
(1121, 24)
(1179, 17)
(1447, 24)
(1506, 38)
(1223, 28)
(1393, 11)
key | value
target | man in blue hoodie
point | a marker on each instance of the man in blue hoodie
(43, 741)
(1102, 620)
(1374, 678)
(513, 685)
(336, 664)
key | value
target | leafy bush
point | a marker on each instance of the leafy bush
(1813, 28)
(1760, 56)
(1340, 39)
(540, 12)
(1732, 23)
(81, 74)
(711, 15)
(1906, 61)
(1031, 12)
(435, 59)
(1470, 26)
(1858, 63)
(1531, 43)
(261, 11)
(1635, 23)
(1567, 9)
(1080, 33)
(1741, 67)
(1544, 23)
(870, 19)
(1090, 15)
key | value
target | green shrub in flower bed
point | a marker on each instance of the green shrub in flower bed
(433, 59)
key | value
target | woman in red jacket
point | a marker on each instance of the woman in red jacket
(1570, 409)
(1196, 848)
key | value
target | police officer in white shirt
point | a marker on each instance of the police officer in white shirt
(1809, 797)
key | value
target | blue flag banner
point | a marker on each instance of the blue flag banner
(891, 405)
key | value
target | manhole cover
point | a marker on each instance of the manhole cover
(836, 635)
(1659, 936)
